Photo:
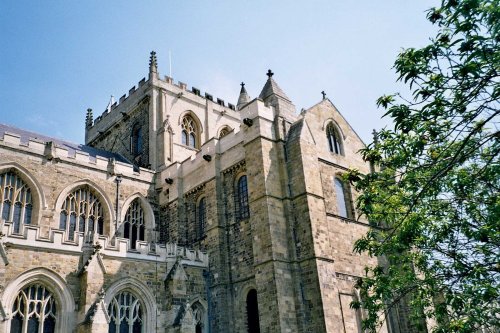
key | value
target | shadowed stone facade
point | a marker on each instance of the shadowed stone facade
(182, 213)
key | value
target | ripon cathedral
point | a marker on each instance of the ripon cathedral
(184, 213)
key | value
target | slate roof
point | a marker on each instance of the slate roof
(70, 146)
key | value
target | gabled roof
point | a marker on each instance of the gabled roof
(72, 148)
(327, 101)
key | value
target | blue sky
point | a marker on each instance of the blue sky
(58, 58)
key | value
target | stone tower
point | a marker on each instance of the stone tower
(211, 217)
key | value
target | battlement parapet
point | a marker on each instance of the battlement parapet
(181, 87)
(61, 152)
(116, 248)
(116, 111)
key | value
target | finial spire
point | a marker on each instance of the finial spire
(89, 119)
(110, 103)
(324, 94)
(244, 97)
(153, 63)
(269, 73)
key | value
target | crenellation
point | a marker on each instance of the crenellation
(52, 151)
(122, 98)
(196, 91)
(11, 138)
(81, 156)
(117, 248)
(36, 145)
(131, 90)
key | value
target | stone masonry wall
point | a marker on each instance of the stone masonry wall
(118, 138)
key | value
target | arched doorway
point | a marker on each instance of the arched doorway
(252, 312)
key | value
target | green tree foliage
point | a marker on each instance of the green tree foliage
(434, 196)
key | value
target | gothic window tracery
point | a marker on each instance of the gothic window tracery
(242, 198)
(125, 314)
(189, 132)
(16, 205)
(83, 212)
(134, 225)
(198, 317)
(334, 141)
(34, 311)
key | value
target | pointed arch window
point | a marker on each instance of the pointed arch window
(134, 226)
(252, 306)
(224, 131)
(125, 314)
(16, 204)
(342, 205)
(199, 317)
(190, 132)
(242, 198)
(136, 140)
(83, 212)
(334, 141)
(34, 310)
(202, 217)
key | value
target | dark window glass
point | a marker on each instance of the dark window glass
(242, 196)
(333, 139)
(136, 140)
(134, 225)
(341, 200)
(36, 305)
(252, 312)
(201, 217)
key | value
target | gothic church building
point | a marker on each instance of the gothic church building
(183, 213)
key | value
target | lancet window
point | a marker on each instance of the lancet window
(253, 325)
(242, 198)
(16, 205)
(202, 217)
(34, 311)
(334, 141)
(136, 140)
(134, 225)
(342, 205)
(83, 212)
(125, 314)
